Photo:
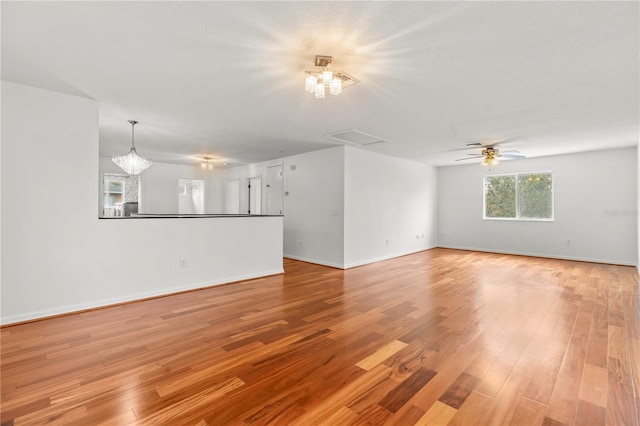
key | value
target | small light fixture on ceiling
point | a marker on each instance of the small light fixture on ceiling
(490, 156)
(132, 163)
(206, 163)
(319, 82)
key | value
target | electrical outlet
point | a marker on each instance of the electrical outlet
(183, 263)
(568, 242)
(300, 243)
(387, 242)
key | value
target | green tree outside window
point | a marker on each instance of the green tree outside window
(519, 196)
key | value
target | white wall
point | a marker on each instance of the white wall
(390, 207)
(314, 206)
(159, 186)
(594, 193)
(58, 257)
(313, 209)
(638, 204)
(243, 174)
(342, 204)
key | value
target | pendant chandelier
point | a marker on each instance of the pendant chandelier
(321, 81)
(132, 163)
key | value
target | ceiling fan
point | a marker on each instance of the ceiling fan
(490, 153)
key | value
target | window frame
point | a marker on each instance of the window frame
(517, 178)
(106, 190)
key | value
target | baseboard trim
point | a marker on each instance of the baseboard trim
(543, 255)
(358, 263)
(139, 297)
(314, 261)
(385, 257)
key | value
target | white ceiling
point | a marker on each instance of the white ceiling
(227, 78)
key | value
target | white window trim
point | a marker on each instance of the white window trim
(519, 219)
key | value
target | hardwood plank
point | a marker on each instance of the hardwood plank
(634, 358)
(409, 416)
(438, 414)
(347, 395)
(590, 414)
(593, 388)
(405, 391)
(617, 346)
(449, 365)
(503, 407)
(564, 399)
(472, 411)
(373, 415)
(187, 409)
(543, 382)
(459, 390)
(381, 354)
(621, 404)
(528, 412)
(342, 416)
(598, 343)
(411, 340)
(529, 360)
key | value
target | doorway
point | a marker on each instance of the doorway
(274, 190)
(190, 196)
(232, 197)
(255, 195)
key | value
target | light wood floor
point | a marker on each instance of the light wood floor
(439, 337)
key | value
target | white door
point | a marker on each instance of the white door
(232, 197)
(274, 189)
(255, 195)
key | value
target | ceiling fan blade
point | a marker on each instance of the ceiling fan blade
(513, 156)
(470, 158)
(511, 150)
(466, 148)
(490, 142)
(505, 140)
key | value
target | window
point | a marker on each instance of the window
(526, 196)
(119, 193)
(113, 192)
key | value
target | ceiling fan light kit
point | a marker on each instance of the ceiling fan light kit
(490, 157)
(490, 154)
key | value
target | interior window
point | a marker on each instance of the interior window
(119, 195)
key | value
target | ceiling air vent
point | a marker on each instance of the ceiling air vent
(355, 137)
(347, 80)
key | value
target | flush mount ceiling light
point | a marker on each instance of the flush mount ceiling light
(206, 163)
(319, 81)
(132, 163)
